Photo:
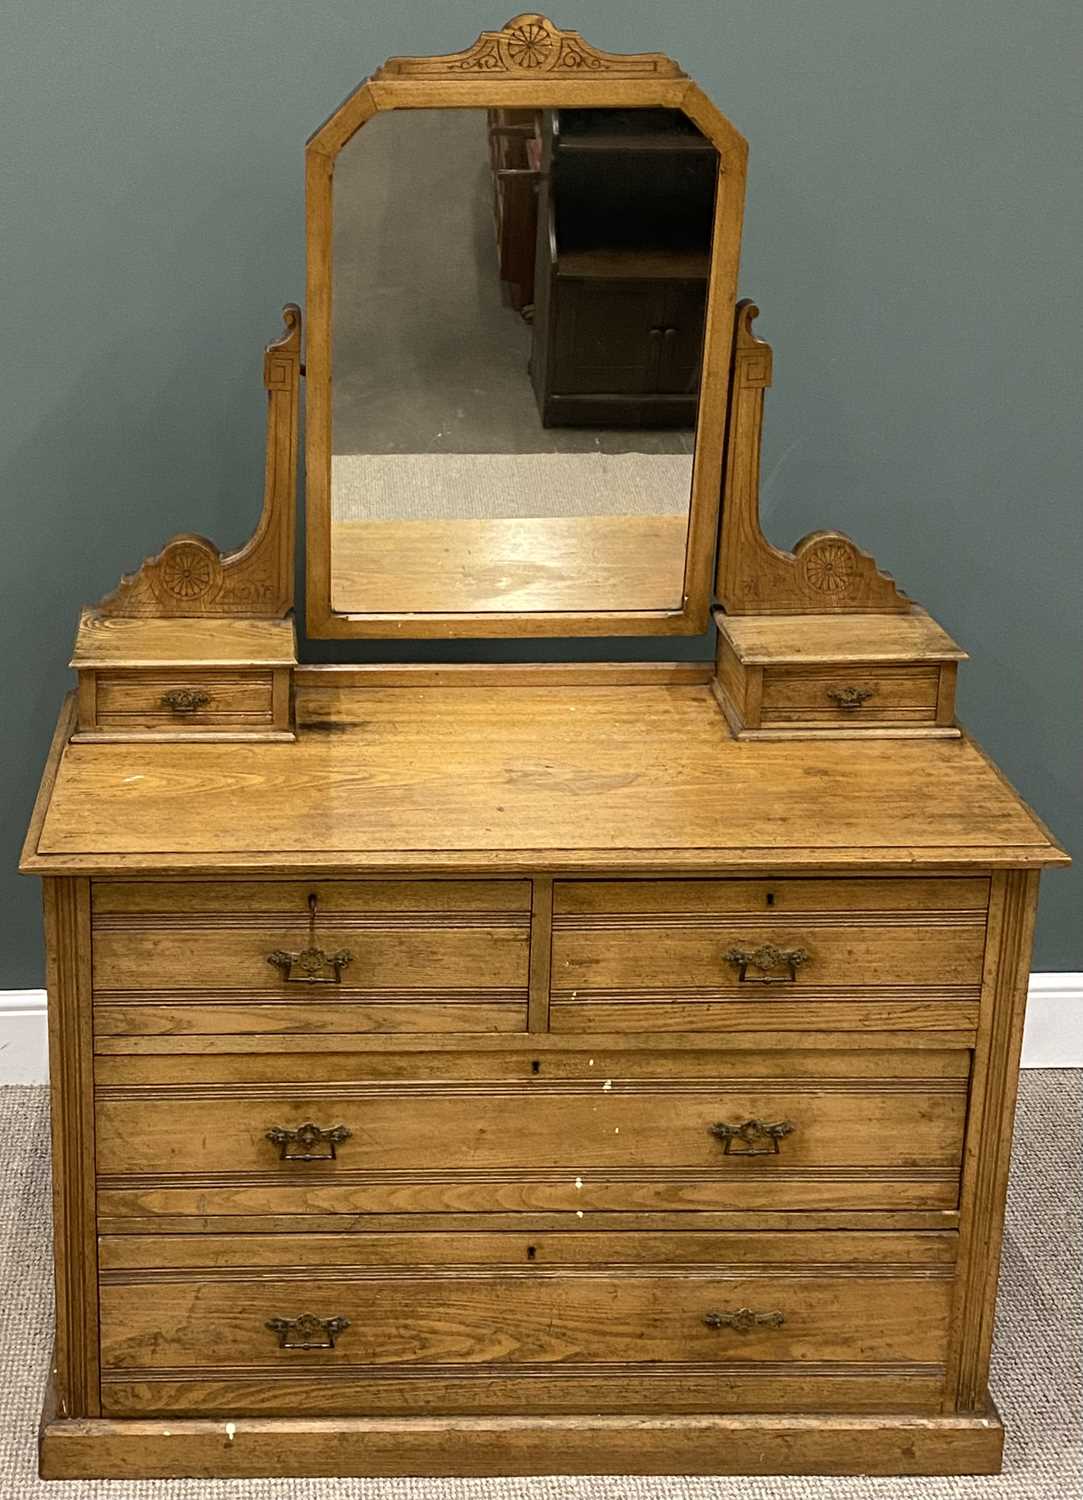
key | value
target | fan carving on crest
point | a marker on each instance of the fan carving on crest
(530, 44)
(187, 570)
(828, 567)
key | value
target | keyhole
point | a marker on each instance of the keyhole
(535, 1065)
(531, 1252)
(770, 898)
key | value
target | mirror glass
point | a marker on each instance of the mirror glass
(518, 314)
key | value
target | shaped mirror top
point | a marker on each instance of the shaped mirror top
(521, 292)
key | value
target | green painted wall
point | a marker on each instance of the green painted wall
(912, 237)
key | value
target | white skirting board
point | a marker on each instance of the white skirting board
(1053, 1037)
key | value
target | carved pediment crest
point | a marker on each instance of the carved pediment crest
(529, 46)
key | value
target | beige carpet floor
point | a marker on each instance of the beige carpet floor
(481, 486)
(1036, 1380)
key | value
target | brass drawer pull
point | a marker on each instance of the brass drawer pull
(311, 965)
(752, 1138)
(850, 697)
(306, 1137)
(743, 1320)
(184, 700)
(764, 960)
(307, 1331)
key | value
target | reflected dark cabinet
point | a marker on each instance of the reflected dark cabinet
(623, 241)
(514, 156)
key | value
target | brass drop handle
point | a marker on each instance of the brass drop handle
(307, 1331)
(850, 697)
(743, 1320)
(311, 965)
(760, 965)
(301, 1144)
(185, 700)
(752, 1137)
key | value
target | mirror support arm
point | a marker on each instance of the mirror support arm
(826, 573)
(190, 578)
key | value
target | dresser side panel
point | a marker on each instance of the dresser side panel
(71, 1073)
(988, 1147)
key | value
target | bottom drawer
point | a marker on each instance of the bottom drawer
(561, 1322)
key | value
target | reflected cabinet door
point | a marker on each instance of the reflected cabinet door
(608, 338)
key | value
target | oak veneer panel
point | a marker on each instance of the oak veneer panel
(580, 1127)
(568, 770)
(106, 641)
(217, 961)
(693, 897)
(71, 1100)
(362, 1247)
(668, 1013)
(845, 955)
(893, 689)
(418, 674)
(769, 1040)
(534, 1059)
(772, 640)
(424, 1318)
(760, 1443)
(289, 898)
(124, 698)
(521, 1191)
(738, 1387)
(989, 1135)
(726, 1220)
(467, 1014)
(497, 564)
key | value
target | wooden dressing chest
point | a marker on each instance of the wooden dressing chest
(518, 1069)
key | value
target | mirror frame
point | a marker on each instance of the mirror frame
(528, 63)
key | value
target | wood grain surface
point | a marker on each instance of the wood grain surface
(406, 778)
(575, 1125)
(508, 565)
(422, 1318)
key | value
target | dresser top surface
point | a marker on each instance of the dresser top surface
(510, 777)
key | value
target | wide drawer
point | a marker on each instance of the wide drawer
(703, 954)
(483, 1321)
(206, 958)
(615, 1143)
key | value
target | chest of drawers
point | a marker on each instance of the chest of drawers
(560, 1156)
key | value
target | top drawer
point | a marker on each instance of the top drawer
(189, 699)
(839, 695)
(695, 955)
(206, 957)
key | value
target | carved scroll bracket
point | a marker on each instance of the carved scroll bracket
(530, 46)
(190, 577)
(826, 573)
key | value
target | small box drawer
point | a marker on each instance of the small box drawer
(584, 1315)
(178, 679)
(186, 699)
(781, 677)
(823, 696)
